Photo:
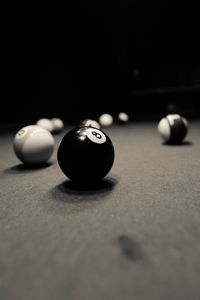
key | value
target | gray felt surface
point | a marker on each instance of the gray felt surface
(136, 236)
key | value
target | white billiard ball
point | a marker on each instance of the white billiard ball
(46, 124)
(106, 120)
(58, 125)
(33, 144)
(173, 128)
(91, 123)
(123, 118)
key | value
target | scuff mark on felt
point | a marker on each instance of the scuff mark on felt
(129, 248)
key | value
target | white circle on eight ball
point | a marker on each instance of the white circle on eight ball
(96, 135)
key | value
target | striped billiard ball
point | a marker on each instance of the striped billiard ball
(173, 129)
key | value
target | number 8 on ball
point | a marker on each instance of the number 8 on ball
(96, 136)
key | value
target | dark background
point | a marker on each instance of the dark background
(82, 59)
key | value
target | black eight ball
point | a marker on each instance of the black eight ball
(85, 155)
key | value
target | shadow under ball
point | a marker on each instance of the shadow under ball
(85, 155)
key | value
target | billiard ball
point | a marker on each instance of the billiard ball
(173, 128)
(91, 123)
(33, 144)
(106, 120)
(123, 118)
(85, 155)
(58, 125)
(46, 124)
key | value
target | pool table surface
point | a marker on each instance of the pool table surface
(136, 235)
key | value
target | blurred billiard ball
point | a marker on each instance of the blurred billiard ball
(33, 145)
(58, 125)
(46, 124)
(173, 128)
(90, 123)
(123, 118)
(85, 155)
(106, 120)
